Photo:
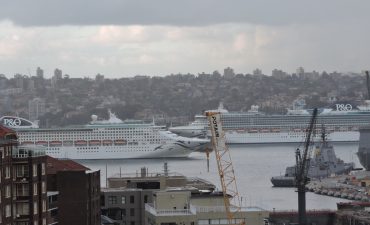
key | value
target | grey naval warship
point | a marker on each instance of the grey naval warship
(323, 164)
(364, 147)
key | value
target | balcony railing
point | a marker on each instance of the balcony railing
(207, 209)
(169, 212)
(28, 151)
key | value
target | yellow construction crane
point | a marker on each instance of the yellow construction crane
(225, 169)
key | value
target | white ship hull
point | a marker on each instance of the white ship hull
(112, 139)
(285, 137)
(117, 152)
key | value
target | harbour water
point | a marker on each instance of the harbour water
(254, 166)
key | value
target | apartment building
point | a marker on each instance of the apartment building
(23, 199)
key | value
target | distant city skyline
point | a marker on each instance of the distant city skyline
(128, 38)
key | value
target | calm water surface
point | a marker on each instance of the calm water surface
(254, 166)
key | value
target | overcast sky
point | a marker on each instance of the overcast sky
(125, 38)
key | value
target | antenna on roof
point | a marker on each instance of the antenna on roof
(165, 169)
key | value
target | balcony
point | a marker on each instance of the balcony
(169, 212)
(28, 151)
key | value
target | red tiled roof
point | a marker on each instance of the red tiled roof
(4, 131)
(54, 165)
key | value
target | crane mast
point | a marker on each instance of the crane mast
(302, 166)
(225, 168)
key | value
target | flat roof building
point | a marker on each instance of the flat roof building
(190, 207)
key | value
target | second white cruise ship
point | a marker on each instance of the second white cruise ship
(253, 127)
(109, 139)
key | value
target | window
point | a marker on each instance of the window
(44, 205)
(7, 172)
(145, 198)
(7, 191)
(132, 199)
(44, 221)
(7, 211)
(22, 209)
(132, 212)
(43, 168)
(35, 208)
(22, 171)
(123, 199)
(112, 200)
(34, 188)
(43, 187)
(22, 189)
(34, 170)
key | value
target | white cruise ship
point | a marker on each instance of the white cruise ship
(109, 139)
(341, 123)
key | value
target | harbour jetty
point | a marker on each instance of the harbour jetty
(355, 186)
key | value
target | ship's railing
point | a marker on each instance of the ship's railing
(149, 207)
(28, 151)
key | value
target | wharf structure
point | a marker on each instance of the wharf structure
(168, 198)
(23, 182)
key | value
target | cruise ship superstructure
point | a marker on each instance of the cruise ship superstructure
(109, 139)
(342, 125)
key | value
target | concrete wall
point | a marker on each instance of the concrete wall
(172, 200)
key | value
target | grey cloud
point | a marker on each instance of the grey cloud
(181, 13)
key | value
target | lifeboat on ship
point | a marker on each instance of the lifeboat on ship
(107, 142)
(68, 143)
(27, 143)
(265, 130)
(43, 143)
(241, 131)
(94, 142)
(55, 143)
(80, 143)
(276, 130)
(120, 142)
(253, 130)
(343, 129)
(329, 130)
(297, 130)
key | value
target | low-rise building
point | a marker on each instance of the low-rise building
(193, 207)
(125, 198)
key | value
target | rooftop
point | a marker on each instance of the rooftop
(54, 165)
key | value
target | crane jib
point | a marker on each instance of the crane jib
(215, 127)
